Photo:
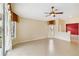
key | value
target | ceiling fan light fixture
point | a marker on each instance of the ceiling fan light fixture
(54, 12)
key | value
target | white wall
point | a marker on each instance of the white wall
(28, 30)
(58, 35)
(72, 20)
(63, 36)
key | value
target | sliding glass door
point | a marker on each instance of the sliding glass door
(5, 29)
(1, 29)
(8, 39)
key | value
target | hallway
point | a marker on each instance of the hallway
(45, 47)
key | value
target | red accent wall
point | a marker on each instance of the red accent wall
(74, 28)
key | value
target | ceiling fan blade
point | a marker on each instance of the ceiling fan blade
(59, 13)
(47, 15)
(56, 9)
(53, 12)
(46, 12)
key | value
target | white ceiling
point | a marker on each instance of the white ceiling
(36, 10)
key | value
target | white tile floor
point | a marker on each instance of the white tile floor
(45, 47)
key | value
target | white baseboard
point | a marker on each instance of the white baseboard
(38, 38)
(54, 37)
(43, 37)
(62, 39)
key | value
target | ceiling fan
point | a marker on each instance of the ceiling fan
(54, 12)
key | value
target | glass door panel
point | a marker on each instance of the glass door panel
(1, 28)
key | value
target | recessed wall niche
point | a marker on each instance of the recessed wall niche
(51, 22)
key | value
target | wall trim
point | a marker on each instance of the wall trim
(39, 38)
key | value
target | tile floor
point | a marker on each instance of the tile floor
(45, 47)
